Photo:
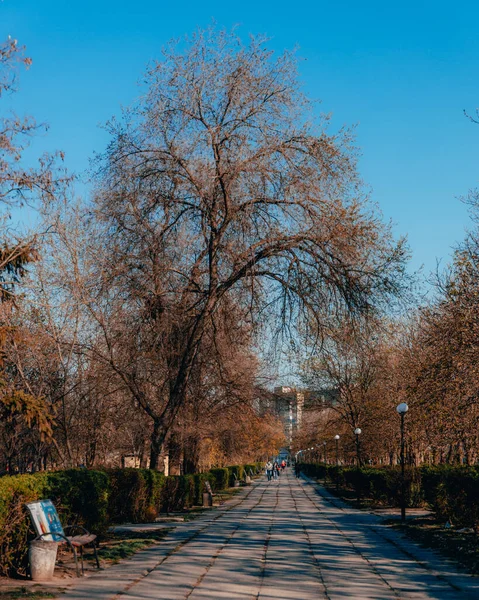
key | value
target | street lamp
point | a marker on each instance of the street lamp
(290, 426)
(336, 437)
(402, 410)
(357, 433)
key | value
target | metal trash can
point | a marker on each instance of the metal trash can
(42, 556)
(207, 499)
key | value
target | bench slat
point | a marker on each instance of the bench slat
(81, 540)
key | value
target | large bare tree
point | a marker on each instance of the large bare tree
(220, 186)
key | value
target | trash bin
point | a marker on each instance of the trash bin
(42, 556)
(207, 499)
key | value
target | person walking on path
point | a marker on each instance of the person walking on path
(269, 470)
(276, 470)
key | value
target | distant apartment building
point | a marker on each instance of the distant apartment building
(291, 404)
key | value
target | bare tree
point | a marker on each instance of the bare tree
(357, 361)
(217, 191)
(19, 184)
(20, 408)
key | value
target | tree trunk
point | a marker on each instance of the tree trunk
(191, 452)
(157, 438)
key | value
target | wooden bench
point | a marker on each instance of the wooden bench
(48, 527)
(248, 478)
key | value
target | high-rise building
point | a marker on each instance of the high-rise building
(288, 404)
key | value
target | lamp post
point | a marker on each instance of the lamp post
(290, 426)
(325, 453)
(336, 437)
(402, 410)
(357, 433)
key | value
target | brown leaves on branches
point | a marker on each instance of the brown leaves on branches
(19, 184)
(217, 189)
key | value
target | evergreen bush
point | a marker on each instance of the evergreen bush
(134, 495)
(236, 473)
(15, 526)
(81, 496)
(220, 478)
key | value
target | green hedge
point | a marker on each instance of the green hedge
(81, 496)
(382, 485)
(221, 478)
(453, 493)
(177, 493)
(96, 499)
(14, 524)
(236, 473)
(200, 480)
(255, 468)
(134, 495)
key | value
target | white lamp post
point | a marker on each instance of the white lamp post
(402, 410)
(357, 433)
(336, 437)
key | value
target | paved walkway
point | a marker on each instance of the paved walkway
(286, 540)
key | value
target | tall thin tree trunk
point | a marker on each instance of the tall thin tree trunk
(157, 439)
(191, 455)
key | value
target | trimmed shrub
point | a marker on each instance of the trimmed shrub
(155, 482)
(336, 475)
(383, 485)
(250, 468)
(453, 493)
(81, 496)
(200, 479)
(134, 495)
(177, 493)
(220, 478)
(358, 480)
(433, 478)
(236, 473)
(15, 526)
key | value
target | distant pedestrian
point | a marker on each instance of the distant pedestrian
(275, 470)
(283, 465)
(269, 470)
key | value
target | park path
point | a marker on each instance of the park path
(285, 540)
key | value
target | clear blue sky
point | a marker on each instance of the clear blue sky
(403, 72)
